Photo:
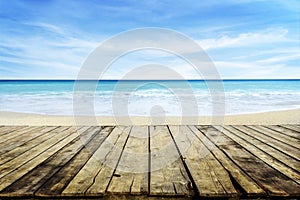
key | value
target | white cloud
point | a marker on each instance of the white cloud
(246, 39)
(46, 26)
(60, 51)
(280, 59)
(67, 52)
(236, 65)
(270, 52)
(256, 70)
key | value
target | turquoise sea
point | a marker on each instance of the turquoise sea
(139, 98)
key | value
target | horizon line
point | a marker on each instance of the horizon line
(226, 79)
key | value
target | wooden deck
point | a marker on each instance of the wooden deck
(150, 161)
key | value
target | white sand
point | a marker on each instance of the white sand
(275, 117)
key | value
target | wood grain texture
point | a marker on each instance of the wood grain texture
(56, 184)
(211, 179)
(138, 162)
(274, 182)
(8, 152)
(244, 180)
(9, 129)
(25, 173)
(283, 147)
(94, 177)
(131, 174)
(168, 175)
(278, 162)
(17, 133)
(291, 141)
(292, 127)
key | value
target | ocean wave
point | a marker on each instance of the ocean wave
(57, 99)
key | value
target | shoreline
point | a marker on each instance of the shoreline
(264, 118)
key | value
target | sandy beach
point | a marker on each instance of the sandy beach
(266, 118)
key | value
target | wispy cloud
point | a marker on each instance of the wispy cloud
(254, 70)
(245, 38)
(58, 50)
(46, 26)
(280, 59)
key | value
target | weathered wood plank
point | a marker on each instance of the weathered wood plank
(94, 177)
(277, 136)
(131, 174)
(55, 162)
(50, 166)
(18, 133)
(22, 138)
(249, 187)
(56, 184)
(291, 151)
(274, 182)
(168, 175)
(8, 129)
(211, 179)
(16, 144)
(292, 127)
(275, 153)
(18, 167)
(16, 162)
(281, 164)
(285, 131)
(9, 152)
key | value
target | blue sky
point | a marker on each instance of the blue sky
(50, 39)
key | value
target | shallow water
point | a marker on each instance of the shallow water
(144, 98)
